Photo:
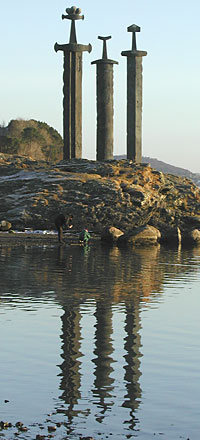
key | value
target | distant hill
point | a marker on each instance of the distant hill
(31, 138)
(167, 168)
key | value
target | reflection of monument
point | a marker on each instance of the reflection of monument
(132, 346)
(72, 77)
(104, 104)
(120, 287)
(71, 336)
(103, 383)
(134, 98)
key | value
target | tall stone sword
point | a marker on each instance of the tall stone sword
(72, 89)
(134, 98)
(104, 87)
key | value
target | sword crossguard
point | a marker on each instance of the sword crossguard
(73, 17)
(73, 14)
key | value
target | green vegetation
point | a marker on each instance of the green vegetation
(31, 138)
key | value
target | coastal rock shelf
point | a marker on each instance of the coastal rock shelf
(98, 195)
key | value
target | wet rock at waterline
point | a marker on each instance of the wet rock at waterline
(5, 225)
(142, 236)
(111, 234)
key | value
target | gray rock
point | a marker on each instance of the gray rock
(192, 222)
(192, 237)
(111, 234)
(142, 236)
(5, 225)
(171, 234)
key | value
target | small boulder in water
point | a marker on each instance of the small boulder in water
(5, 225)
(111, 234)
(141, 236)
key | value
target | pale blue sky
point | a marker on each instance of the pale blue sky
(31, 72)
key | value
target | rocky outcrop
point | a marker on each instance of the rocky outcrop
(167, 168)
(99, 195)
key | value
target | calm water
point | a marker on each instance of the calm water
(103, 341)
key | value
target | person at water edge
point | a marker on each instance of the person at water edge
(60, 223)
(84, 236)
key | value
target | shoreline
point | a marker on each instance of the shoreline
(42, 238)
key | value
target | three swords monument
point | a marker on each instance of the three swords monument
(72, 99)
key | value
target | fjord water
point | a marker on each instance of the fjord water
(104, 341)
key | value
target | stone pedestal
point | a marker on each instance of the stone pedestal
(104, 85)
(72, 88)
(134, 99)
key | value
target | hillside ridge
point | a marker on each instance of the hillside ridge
(31, 138)
(165, 167)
